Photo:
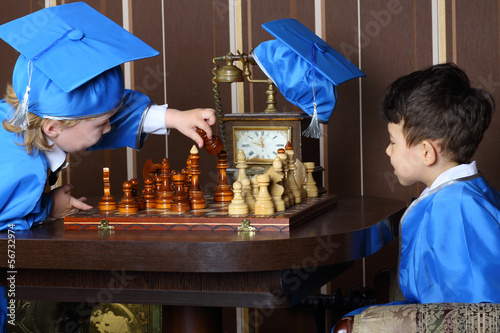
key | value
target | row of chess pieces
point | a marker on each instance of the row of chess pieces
(285, 183)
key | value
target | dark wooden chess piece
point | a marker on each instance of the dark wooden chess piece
(150, 169)
(195, 193)
(180, 202)
(127, 205)
(149, 195)
(107, 202)
(187, 173)
(223, 191)
(136, 194)
(164, 193)
(212, 146)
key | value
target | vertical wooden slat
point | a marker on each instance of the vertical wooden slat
(442, 31)
(129, 84)
(454, 30)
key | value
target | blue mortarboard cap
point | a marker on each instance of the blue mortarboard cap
(71, 45)
(305, 68)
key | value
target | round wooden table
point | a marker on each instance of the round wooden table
(200, 270)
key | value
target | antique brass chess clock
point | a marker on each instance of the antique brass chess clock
(260, 135)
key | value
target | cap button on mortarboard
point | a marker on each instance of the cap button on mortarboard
(76, 35)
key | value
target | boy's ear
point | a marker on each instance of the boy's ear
(429, 152)
(52, 128)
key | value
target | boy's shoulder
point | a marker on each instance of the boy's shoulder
(465, 197)
(470, 188)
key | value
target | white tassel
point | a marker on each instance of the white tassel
(313, 131)
(21, 117)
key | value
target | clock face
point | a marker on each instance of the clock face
(260, 143)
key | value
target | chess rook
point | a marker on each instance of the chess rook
(180, 202)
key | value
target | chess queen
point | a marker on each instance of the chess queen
(67, 95)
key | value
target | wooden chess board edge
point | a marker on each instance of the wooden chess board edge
(278, 222)
(325, 203)
(176, 227)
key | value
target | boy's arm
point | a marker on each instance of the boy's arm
(130, 125)
(187, 122)
(40, 212)
(22, 198)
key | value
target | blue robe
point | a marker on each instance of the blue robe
(23, 177)
(450, 244)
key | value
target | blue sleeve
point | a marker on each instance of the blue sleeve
(127, 123)
(37, 215)
(4, 311)
(22, 198)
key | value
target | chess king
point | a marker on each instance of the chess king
(67, 95)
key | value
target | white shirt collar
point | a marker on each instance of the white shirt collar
(56, 156)
(460, 171)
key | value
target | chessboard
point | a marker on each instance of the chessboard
(214, 217)
(284, 195)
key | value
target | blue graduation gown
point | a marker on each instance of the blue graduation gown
(23, 177)
(450, 244)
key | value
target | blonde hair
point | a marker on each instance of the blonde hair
(34, 136)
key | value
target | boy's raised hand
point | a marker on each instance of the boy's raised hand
(187, 122)
(64, 204)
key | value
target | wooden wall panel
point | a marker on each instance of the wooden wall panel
(193, 38)
(388, 36)
(7, 53)
(477, 47)
(343, 136)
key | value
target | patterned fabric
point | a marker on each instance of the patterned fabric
(434, 317)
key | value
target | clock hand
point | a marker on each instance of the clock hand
(260, 144)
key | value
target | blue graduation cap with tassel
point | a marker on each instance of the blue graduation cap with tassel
(305, 69)
(69, 67)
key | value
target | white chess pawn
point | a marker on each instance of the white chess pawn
(263, 203)
(287, 195)
(255, 186)
(238, 205)
(276, 188)
(310, 184)
(241, 165)
(247, 194)
(291, 176)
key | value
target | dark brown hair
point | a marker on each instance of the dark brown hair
(438, 103)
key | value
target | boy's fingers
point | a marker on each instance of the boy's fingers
(80, 203)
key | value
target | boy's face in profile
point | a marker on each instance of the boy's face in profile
(405, 160)
(81, 136)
